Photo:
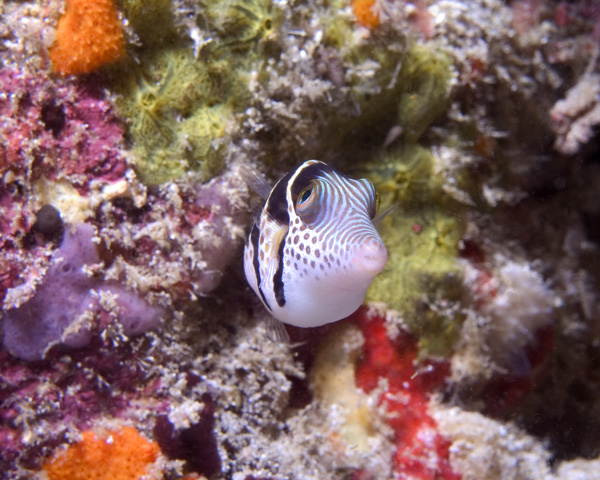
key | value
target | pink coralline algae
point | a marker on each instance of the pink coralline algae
(58, 129)
(53, 129)
(66, 306)
(421, 451)
(42, 401)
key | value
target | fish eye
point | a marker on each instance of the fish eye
(305, 196)
(307, 204)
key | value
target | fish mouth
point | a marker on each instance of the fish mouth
(371, 257)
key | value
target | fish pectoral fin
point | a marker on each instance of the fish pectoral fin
(276, 331)
(377, 220)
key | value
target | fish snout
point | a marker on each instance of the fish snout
(372, 256)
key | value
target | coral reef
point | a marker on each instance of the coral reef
(72, 128)
(181, 102)
(124, 202)
(46, 404)
(152, 23)
(88, 36)
(516, 302)
(481, 447)
(178, 249)
(422, 232)
(356, 429)
(195, 442)
(426, 93)
(62, 142)
(178, 113)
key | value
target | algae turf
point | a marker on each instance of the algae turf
(422, 280)
(177, 114)
(243, 25)
(426, 89)
(151, 21)
(180, 101)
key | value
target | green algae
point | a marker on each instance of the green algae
(243, 24)
(422, 274)
(196, 146)
(177, 99)
(410, 87)
(177, 114)
(407, 176)
(426, 89)
(151, 20)
(422, 233)
(414, 83)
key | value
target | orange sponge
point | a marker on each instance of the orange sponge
(122, 455)
(365, 13)
(88, 36)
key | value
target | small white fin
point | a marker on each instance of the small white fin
(377, 220)
(392, 135)
(276, 330)
(255, 180)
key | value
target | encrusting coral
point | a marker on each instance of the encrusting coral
(367, 360)
(120, 455)
(365, 13)
(89, 35)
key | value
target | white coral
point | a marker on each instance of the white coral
(574, 117)
(511, 305)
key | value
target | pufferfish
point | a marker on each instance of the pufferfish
(314, 250)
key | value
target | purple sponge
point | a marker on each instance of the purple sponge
(134, 314)
(64, 306)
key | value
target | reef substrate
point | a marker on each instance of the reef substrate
(131, 144)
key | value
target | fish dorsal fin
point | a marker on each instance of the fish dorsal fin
(255, 181)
